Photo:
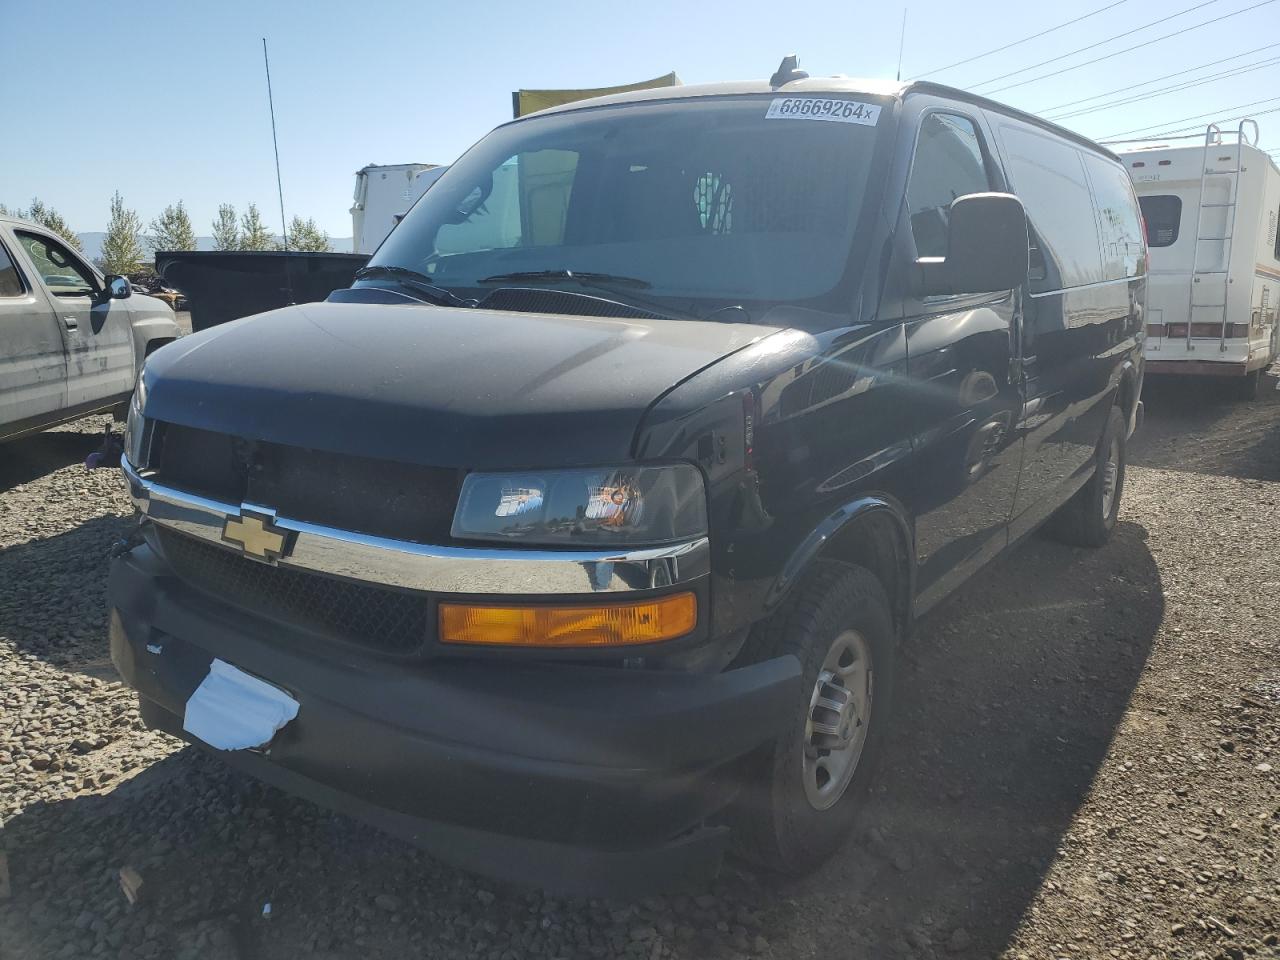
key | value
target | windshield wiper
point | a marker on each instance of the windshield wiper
(586, 279)
(606, 283)
(413, 280)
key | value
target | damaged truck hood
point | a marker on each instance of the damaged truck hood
(434, 385)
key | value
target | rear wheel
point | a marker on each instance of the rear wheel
(801, 798)
(1087, 519)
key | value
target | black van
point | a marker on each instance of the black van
(578, 538)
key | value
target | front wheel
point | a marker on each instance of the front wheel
(801, 797)
(1087, 519)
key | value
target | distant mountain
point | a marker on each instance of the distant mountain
(93, 244)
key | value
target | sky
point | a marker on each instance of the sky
(166, 101)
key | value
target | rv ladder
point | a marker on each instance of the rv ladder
(1220, 267)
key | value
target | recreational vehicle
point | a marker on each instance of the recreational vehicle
(1210, 210)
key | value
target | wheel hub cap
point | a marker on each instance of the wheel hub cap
(837, 721)
(833, 716)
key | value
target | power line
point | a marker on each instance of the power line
(1145, 83)
(1166, 135)
(1199, 81)
(1199, 135)
(1136, 46)
(1156, 139)
(1197, 116)
(1099, 43)
(1034, 36)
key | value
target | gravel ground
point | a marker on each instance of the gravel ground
(1086, 763)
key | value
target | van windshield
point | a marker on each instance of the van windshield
(697, 203)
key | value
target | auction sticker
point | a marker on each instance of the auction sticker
(823, 108)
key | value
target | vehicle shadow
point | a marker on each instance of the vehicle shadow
(54, 602)
(1196, 425)
(30, 458)
(1008, 701)
(1013, 691)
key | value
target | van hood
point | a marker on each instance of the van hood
(433, 385)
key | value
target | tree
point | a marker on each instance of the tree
(172, 230)
(226, 232)
(306, 236)
(122, 249)
(254, 234)
(49, 218)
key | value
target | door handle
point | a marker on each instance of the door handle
(70, 323)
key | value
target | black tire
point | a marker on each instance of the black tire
(1246, 387)
(775, 824)
(1086, 520)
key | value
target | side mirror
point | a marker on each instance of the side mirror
(118, 288)
(986, 247)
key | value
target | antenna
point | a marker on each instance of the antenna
(275, 145)
(902, 40)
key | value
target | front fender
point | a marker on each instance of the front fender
(151, 320)
(839, 529)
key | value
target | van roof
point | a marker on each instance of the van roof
(824, 85)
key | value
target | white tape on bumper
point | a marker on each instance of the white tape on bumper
(232, 710)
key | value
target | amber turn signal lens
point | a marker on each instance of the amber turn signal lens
(614, 625)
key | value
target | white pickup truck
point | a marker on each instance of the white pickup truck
(71, 340)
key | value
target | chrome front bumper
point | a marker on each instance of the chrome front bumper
(440, 569)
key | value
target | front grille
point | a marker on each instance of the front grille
(385, 498)
(383, 619)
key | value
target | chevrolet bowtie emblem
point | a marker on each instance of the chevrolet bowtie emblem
(257, 536)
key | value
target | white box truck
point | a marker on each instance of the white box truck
(1211, 213)
(383, 195)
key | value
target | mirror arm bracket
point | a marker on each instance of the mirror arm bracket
(933, 276)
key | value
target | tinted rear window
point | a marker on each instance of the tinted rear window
(1048, 176)
(1163, 214)
(1118, 222)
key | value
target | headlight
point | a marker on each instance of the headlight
(135, 426)
(604, 506)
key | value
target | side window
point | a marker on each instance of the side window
(61, 270)
(1119, 224)
(524, 205)
(10, 282)
(1163, 215)
(948, 164)
(1047, 174)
